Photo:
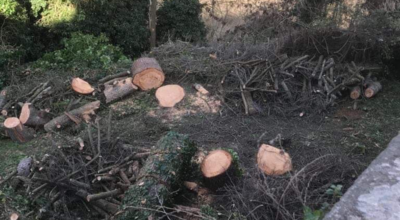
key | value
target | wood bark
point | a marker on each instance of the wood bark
(355, 92)
(17, 131)
(169, 95)
(118, 90)
(3, 98)
(159, 177)
(65, 120)
(373, 89)
(216, 168)
(147, 73)
(30, 116)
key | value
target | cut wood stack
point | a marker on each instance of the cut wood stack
(147, 73)
(30, 116)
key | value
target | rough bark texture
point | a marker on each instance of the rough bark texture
(373, 89)
(17, 131)
(30, 116)
(160, 176)
(118, 90)
(355, 92)
(147, 73)
(65, 120)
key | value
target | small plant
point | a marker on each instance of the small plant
(83, 51)
(310, 214)
(209, 212)
(335, 191)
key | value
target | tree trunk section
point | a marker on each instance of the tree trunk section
(81, 86)
(160, 176)
(147, 73)
(118, 90)
(373, 89)
(168, 96)
(30, 116)
(273, 161)
(355, 92)
(17, 131)
(217, 168)
(65, 120)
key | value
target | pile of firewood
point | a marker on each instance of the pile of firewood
(145, 74)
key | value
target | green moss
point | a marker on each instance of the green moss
(161, 175)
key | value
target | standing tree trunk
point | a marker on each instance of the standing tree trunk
(17, 131)
(147, 73)
(118, 89)
(30, 116)
(161, 174)
(153, 22)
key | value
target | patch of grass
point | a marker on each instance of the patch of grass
(10, 155)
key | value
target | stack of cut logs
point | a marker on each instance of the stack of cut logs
(145, 73)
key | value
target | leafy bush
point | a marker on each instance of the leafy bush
(83, 51)
(180, 19)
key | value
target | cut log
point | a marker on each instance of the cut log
(355, 92)
(17, 131)
(81, 86)
(168, 96)
(373, 89)
(160, 176)
(33, 117)
(216, 168)
(147, 73)
(118, 90)
(64, 120)
(273, 161)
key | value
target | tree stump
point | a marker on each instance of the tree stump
(17, 131)
(72, 116)
(147, 73)
(168, 96)
(118, 90)
(162, 173)
(30, 116)
(81, 86)
(373, 89)
(273, 161)
(355, 92)
(217, 168)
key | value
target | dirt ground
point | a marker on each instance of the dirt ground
(330, 149)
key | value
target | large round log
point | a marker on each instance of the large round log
(17, 131)
(30, 116)
(161, 175)
(169, 95)
(373, 89)
(81, 86)
(273, 161)
(147, 73)
(217, 168)
(118, 89)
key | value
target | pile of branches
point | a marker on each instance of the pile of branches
(259, 79)
(80, 177)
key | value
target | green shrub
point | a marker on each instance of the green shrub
(180, 19)
(82, 51)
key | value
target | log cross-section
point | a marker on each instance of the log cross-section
(147, 73)
(81, 86)
(30, 116)
(216, 168)
(273, 161)
(169, 95)
(17, 131)
(65, 119)
(373, 89)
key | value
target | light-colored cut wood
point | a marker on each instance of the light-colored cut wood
(273, 161)
(81, 86)
(170, 95)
